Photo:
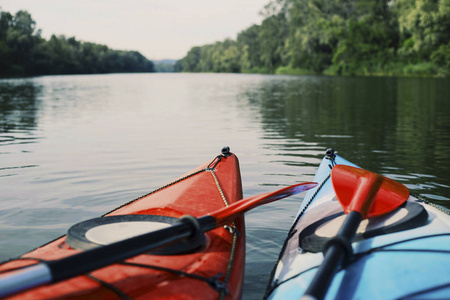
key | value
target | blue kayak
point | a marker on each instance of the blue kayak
(404, 254)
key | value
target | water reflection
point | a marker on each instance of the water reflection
(396, 126)
(18, 105)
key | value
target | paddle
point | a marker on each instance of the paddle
(362, 194)
(87, 261)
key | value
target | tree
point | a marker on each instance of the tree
(345, 37)
(424, 26)
(249, 46)
(272, 38)
(5, 21)
(20, 39)
(316, 26)
(229, 57)
(24, 52)
(190, 62)
(368, 41)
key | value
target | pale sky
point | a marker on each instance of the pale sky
(159, 29)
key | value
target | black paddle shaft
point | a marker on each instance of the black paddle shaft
(336, 251)
(103, 256)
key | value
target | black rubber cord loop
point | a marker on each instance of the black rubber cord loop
(218, 285)
(232, 230)
(194, 224)
(214, 163)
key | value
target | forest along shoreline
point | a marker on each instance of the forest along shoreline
(340, 37)
(296, 37)
(23, 52)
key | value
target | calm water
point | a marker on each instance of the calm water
(74, 147)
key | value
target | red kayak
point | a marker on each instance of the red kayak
(210, 266)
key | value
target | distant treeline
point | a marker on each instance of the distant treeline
(336, 37)
(165, 65)
(24, 52)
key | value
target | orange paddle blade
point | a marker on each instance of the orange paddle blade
(366, 192)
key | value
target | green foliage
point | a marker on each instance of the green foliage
(441, 57)
(424, 25)
(316, 28)
(249, 45)
(420, 69)
(219, 57)
(23, 52)
(336, 37)
(190, 62)
(288, 70)
(272, 38)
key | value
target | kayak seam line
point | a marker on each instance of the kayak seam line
(109, 286)
(360, 255)
(412, 250)
(381, 248)
(213, 281)
(435, 288)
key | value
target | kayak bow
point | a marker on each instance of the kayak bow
(213, 264)
(397, 253)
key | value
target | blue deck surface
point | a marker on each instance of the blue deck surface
(412, 264)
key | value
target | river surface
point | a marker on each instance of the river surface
(75, 147)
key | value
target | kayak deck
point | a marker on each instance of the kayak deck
(214, 270)
(403, 254)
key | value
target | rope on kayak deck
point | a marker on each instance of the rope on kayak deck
(158, 189)
(210, 167)
(232, 230)
(420, 199)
